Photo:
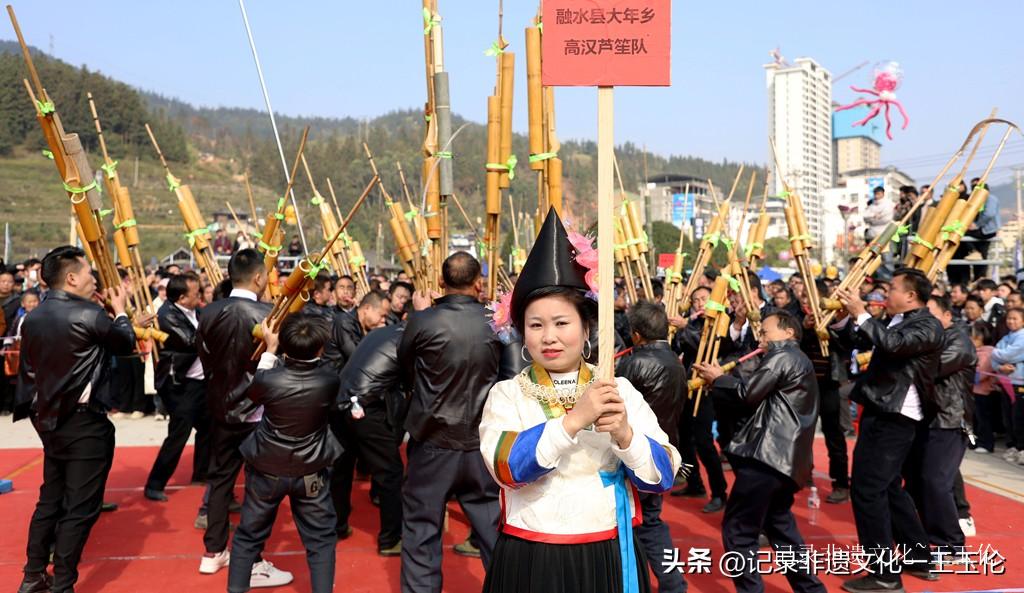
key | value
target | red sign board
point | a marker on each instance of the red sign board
(666, 260)
(607, 42)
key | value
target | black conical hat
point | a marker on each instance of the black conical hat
(552, 262)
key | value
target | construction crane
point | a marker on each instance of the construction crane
(836, 79)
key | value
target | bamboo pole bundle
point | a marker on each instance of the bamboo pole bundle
(430, 247)
(954, 228)
(708, 243)
(271, 239)
(622, 258)
(757, 233)
(73, 166)
(338, 257)
(411, 257)
(716, 326)
(500, 165)
(674, 283)
(295, 290)
(544, 143)
(503, 278)
(196, 229)
(699, 383)
(870, 258)
(354, 260)
(923, 243)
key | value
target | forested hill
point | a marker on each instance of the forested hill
(211, 147)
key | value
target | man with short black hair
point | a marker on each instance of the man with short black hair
(63, 387)
(348, 330)
(320, 297)
(399, 295)
(290, 452)
(344, 294)
(933, 465)
(226, 348)
(658, 375)
(181, 383)
(451, 358)
(771, 454)
(895, 389)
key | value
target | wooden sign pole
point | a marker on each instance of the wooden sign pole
(605, 233)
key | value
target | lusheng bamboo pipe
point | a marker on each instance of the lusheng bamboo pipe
(707, 246)
(73, 166)
(870, 259)
(714, 315)
(301, 279)
(699, 382)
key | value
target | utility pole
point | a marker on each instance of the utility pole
(1020, 219)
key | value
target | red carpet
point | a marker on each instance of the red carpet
(153, 548)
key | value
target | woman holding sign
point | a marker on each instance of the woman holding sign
(569, 451)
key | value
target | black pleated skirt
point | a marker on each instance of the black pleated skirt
(523, 566)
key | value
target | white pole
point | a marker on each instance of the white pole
(273, 122)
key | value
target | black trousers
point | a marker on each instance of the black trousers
(881, 507)
(372, 441)
(697, 443)
(434, 475)
(984, 413)
(76, 462)
(186, 404)
(1017, 418)
(656, 540)
(225, 463)
(761, 500)
(835, 437)
(930, 473)
(963, 506)
(128, 382)
(312, 511)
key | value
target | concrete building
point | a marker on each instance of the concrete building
(842, 222)
(855, 148)
(799, 120)
(681, 200)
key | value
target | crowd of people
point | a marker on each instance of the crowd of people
(503, 412)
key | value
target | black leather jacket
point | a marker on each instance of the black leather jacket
(293, 438)
(346, 333)
(954, 401)
(780, 434)
(225, 347)
(654, 371)
(905, 355)
(374, 376)
(179, 351)
(66, 345)
(450, 356)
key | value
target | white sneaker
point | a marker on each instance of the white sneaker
(137, 415)
(967, 526)
(1010, 454)
(211, 564)
(265, 574)
(981, 451)
(1019, 460)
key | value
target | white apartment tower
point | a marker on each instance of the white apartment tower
(800, 121)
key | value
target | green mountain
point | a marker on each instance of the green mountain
(210, 148)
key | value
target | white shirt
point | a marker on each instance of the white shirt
(992, 302)
(84, 398)
(912, 403)
(243, 294)
(196, 370)
(736, 334)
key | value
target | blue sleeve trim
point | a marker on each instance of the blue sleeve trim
(522, 459)
(663, 463)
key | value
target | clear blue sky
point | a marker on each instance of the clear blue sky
(349, 58)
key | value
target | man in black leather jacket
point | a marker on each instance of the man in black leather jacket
(348, 329)
(290, 453)
(182, 386)
(225, 348)
(373, 380)
(771, 454)
(64, 387)
(450, 356)
(696, 441)
(655, 372)
(897, 390)
(934, 462)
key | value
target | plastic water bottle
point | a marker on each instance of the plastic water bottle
(814, 503)
(357, 410)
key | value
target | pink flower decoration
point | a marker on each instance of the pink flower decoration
(586, 255)
(501, 317)
(591, 279)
